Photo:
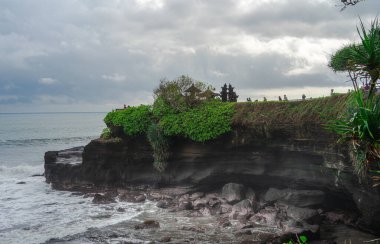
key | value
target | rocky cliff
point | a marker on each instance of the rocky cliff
(290, 156)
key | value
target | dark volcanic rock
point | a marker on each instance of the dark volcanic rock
(64, 167)
(148, 224)
(120, 209)
(304, 157)
(300, 198)
(132, 197)
(308, 215)
(103, 199)
(165, 239)
(250, 194)
(233, 192)
(163, 204)
(243, 208)
(185, 205)
(200, 203)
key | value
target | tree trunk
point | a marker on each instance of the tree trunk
(374, 77)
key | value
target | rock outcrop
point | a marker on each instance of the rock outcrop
(305, 159)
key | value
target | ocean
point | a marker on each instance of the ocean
(30, 210)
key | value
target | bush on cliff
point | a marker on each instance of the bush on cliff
(134, 120)
(106, 133)
(182, 113)
(179, 109)
(207, 121)
(362, 128)
(160, 145)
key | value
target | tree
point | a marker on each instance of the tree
(172, 94)
(361, 60)
(361, 126)
(223, 93)
(347, 3)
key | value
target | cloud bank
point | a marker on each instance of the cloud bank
(90, 55)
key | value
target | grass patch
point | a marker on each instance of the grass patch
(317, 110)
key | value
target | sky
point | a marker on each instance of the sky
(93, 55)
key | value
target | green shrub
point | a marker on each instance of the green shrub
(172, 93)
(161, 108)
(174, 113)
(362, 128)
(134, 120)
(106, 133)
(207, 121)
(160, 145)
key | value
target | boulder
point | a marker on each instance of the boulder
(163, 204)
(267, 216)
(233, 192)
(140, 198)
(295, 228)
(303, 214)
(121, 210)
(147, 224)
(184, 197)
(103, 199)
(200, 203)
(241, 209)
(250, 194)
(213, 202)
(225, 208)
(185, 205)
(299, 198)
(165, 239)
(196, 195)
(205, 211)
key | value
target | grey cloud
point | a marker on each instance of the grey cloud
(87, 45)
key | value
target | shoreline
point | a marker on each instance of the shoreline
(208, 223)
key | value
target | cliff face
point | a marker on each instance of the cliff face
(295, 157)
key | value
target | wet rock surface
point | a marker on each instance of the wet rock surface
(147, 224)
(233, 192)
(247, 221)
(300, 198)
(103, 199)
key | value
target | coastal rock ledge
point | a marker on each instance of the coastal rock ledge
(301, 167)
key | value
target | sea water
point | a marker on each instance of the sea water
(30, 210)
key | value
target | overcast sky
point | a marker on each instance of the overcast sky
(95, 55)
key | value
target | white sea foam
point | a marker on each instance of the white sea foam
(20, 170)
(35, 212)
(30, 210)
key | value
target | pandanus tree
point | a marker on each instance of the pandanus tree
(362, 126)
(361, 60)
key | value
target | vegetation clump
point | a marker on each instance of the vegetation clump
(134, 120)
(106, 133)
(205, 122)
(362, 126)
(160, 145)
(182, 107)
(294, 113)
